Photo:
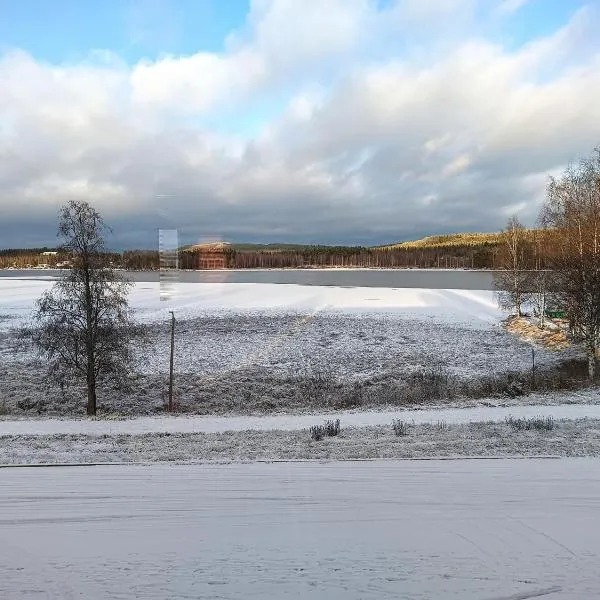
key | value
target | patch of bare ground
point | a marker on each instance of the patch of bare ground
(552, 336)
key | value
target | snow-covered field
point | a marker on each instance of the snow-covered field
(461, 530)
(451, 529)
(192, 300)
(249, 347)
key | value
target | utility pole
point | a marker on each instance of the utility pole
(532, 367)
(171, 361)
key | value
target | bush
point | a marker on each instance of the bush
(26, 404)
(330, 429)
(316, 385)
(527, 424)
(350, 396)
(400, 427)
(431, 383)
(317, 432)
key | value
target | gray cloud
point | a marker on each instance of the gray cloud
(395, 145)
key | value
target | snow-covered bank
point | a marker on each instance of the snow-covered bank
(431, 440)
(214, 424)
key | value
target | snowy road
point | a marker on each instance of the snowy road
(213, 424)
(484, 530)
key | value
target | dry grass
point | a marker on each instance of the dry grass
(208, 246)
(452, 240)
(552, 336)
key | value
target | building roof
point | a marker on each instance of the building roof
(209, 247)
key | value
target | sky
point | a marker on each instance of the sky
(315, 121)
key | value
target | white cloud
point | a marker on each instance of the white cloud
(197, 83)
(511, 6)
(374, 144)
(456, 166)
(419, 11)
(291, 32)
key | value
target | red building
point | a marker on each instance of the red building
(210, 256)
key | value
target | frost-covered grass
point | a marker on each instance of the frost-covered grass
(568, 438)
(400, 427)
(260, 348)
(115, 424)
(539, 423)
(329, 429)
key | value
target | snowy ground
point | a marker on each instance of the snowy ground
(452, 529)
(461, 530)
(217, 424)
(252, 347)
(437, 439)
(191, 300)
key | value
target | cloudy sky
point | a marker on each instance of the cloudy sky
(330, 121)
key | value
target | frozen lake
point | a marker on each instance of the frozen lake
(464, 530)
(386, 278)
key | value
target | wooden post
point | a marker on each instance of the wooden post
(532, 368)
(171, 361)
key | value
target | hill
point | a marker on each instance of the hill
(448, 241)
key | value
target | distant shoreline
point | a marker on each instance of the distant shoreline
(316, 268)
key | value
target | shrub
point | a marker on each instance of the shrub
(317, 432)
(26, 404)
(316, 385)
(431, 383)
(350, 396)
(527, 424)
(400, 427)
(330, 429)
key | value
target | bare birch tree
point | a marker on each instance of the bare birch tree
(83, 325)
(572, 211)
(539, 282)
(511, 282)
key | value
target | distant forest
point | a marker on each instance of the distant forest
(443, 253)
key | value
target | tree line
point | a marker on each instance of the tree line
(424, 258)
(456, 257)
(556, 269)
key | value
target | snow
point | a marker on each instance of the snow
(17, 298)
(481, 529)
(437, 440)
(216, 424)
(249, 347)
(195, 299)
(460, 530)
